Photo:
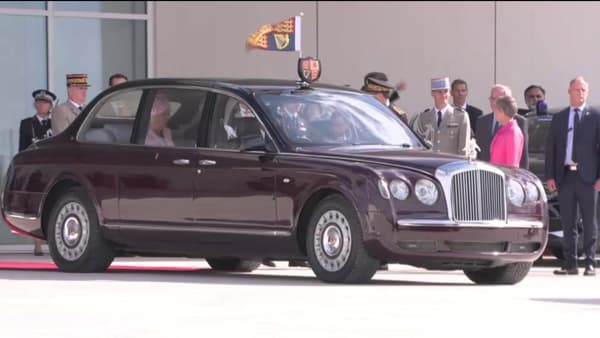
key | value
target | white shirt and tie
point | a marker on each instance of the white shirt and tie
(571, 131)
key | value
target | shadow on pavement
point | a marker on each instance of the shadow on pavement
(577, 301)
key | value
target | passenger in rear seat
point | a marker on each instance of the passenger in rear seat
(158, 133)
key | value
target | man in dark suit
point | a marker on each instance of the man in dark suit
(35, 128)
(487, 126)
(573, 167)
(459, 91)
(534, 95)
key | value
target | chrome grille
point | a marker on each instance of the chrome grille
(478, 195)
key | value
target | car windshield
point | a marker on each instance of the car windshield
(321, 117)
(539, 127)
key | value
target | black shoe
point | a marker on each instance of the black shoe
(383, 267)
(570, 271)
(589, 271)
(268, 262)
(38, 253)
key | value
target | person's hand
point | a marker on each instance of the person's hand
(551, 184)
(597, 185)
(400, 86)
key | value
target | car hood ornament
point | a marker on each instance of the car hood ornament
(471, 149)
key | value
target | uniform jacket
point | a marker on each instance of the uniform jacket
(63, 115)
(586, 144)
(453, 133)
(31, 130)
(474, 114)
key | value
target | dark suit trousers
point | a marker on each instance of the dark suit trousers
(573, 192)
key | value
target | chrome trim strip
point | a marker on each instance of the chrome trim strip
(484, 224)
(197, 228)
(21, 216)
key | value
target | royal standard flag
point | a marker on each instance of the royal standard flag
(283, 36)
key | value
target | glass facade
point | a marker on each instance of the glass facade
(45, 40)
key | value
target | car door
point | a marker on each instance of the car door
(155, 188)
(234, 189)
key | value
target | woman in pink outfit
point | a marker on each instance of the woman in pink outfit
(507, 145)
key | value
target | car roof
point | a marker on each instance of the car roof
(234, 83)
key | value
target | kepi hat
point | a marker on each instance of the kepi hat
(440, 83)
(77, 80)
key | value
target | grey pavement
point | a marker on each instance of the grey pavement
(288, 302)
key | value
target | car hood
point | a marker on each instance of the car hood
(422, 160)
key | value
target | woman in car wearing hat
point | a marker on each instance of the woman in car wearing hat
(35, 128)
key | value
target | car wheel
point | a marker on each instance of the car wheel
(74, 238)
(232, 264)
(334, 244)
(508, 274)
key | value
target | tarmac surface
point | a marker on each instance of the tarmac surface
(148, 300)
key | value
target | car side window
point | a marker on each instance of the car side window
(233, 125)
(172, 118)
(113, 120)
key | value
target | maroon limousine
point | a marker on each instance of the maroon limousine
(237, 171)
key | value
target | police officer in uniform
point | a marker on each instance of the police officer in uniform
(39, 126)
(35, 128)
(447, 128)
(376, 84)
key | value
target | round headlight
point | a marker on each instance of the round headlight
(426, 191)
(533, 194)
(399, 189)
(516, 194)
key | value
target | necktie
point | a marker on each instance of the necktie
(575, 127)
(439, 118)
(496, 127)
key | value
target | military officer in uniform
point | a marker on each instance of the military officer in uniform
(447, 128)
(35, 128)
(64, 114)
(376, 84)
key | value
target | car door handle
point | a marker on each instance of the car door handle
(181, 161)
(207, 162)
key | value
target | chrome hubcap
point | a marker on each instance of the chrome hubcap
(72, 231)
(332, 240)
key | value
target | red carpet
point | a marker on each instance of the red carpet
(52, 266)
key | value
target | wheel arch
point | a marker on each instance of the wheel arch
(309, 206)
(60, 186)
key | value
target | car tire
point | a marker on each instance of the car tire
(335, 246)
(232, 264)
(507, 274)
(74, 239)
